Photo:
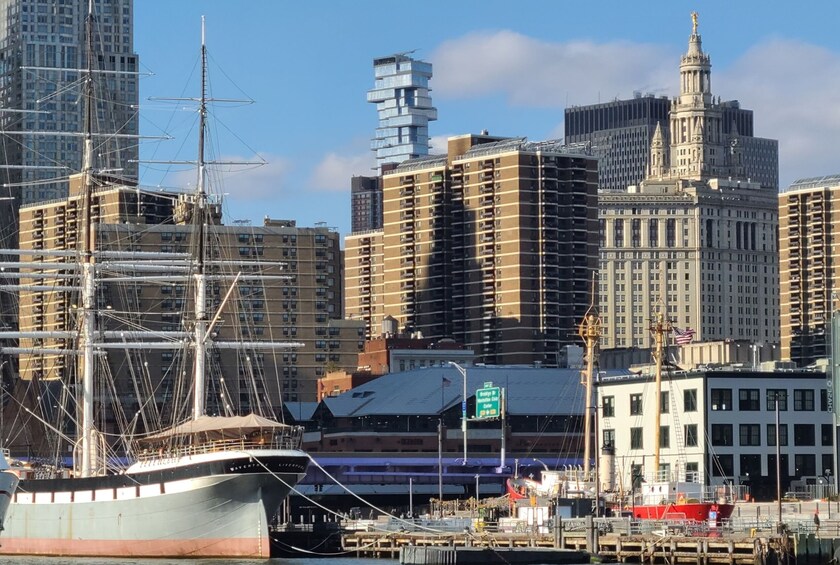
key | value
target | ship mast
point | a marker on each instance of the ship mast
(660, 328)
(200, 218)
(88, 443)
(590, 331)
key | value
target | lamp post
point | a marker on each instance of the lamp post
(411, 497)
(778, 466)
(463, 372)
(440, 467)
(476, 495)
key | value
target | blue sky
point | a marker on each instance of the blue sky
(510, 67)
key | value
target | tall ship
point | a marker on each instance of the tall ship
(204, 485)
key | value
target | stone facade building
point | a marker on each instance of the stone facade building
(697, 239)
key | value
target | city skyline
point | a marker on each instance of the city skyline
(309, 71)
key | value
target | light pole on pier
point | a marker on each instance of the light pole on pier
(463, 372)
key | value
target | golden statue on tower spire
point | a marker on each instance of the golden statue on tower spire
(694, 23)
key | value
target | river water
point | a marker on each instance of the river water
(100, 561)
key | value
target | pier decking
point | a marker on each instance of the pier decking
(619, 548)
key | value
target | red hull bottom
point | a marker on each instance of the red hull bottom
(698, 511)
(210, 547)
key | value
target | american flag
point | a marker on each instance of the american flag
(683, 337)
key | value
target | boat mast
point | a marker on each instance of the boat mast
(660, 329)
(88, 288)
(590, 331)
(200, 216)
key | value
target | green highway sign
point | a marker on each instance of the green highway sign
(488, 401)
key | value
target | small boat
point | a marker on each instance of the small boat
(565, 483)
(681, 496)
(683, 500)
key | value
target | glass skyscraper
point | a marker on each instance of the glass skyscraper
(42, 48)
(401, 95)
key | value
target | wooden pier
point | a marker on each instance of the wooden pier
(618, 548)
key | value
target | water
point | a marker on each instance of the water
(100, 561)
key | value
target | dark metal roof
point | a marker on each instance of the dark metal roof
(301, 411)
(530, 391)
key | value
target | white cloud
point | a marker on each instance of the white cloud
(257, 182)
(793, 89)
(792, 86)
(529, 72)
(240, 182)
(439, 144)
(334, 171)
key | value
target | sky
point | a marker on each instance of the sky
(509, 67)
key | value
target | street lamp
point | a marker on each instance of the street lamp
(476, 495)
(411, 497)
(463, 372)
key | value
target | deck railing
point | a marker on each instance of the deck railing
(285, 439)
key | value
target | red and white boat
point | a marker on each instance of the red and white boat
(683, 500)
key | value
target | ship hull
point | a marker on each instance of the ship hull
(699, 511)
(210, 509)
(8, 484)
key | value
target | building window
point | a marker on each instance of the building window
(721, 434)
(663, 402)
(824, 400)
(803, 434)
(771, 434)
(653, 232)
(750, 434)
(691, 435)
(671, 233)
(751, 466)
(692, 468)
(609, 438)
(690, 400)
(748, 400)
(636, 438)
(721, 398)
(664, 437)
(636, 232)
(618, 233)
(723, 466)
(608, 408)
(635, 404)
(805, 465)
(803, 400)
(772, 395)
(827, 434)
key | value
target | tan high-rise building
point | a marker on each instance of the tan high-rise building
(303, 306)
(489, 244)
(364, 279)
(809, 210)
(696, 240)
